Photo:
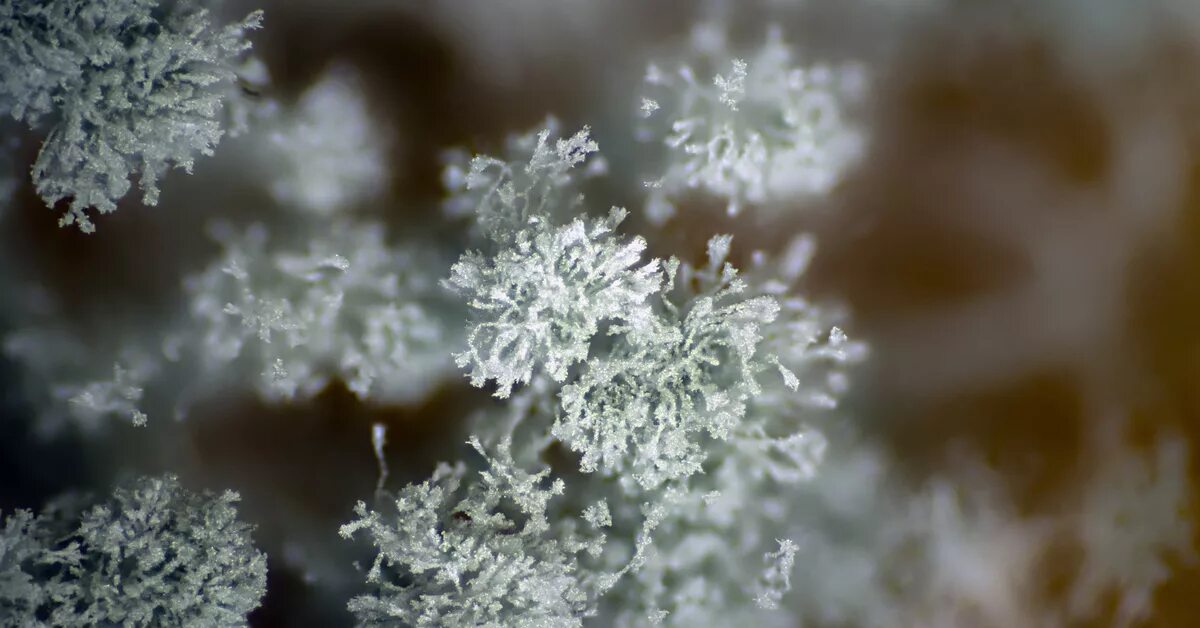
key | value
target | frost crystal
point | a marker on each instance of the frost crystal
(806, 346)
(349, 306)
(539, 302)
(535, 181)
(705, 565)
(643, 407)
(1133, 518)
(977, 557)
(777, 579)
(73, 378)
(543, 293)
(760, 131)
(130, 86)
(120, 396)
(331, 154)
(154, 555)
(482, 554)
(20, 546)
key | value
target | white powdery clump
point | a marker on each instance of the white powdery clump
(155, 554)
(486, 553)
(648, 375)
(956, 552)
(978, 561)
(805, 342)
(665, 374)
(720, 555)
(20, 545)
(119, 396)
(129, 86)
(539, 302)
(541, 290)
(777, 578)
(344, 305)
(656, 387)
(1133, 517)
(643, 409)
(72, 378)
(877, 553)
(760, 131)
(535, 178)
(706, 565)
(328, 152)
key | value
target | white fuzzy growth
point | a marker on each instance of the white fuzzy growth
(155, 554)
(329, 153)
(811, 354)
(777, 579)
(538, 303)
(762, 131)
(133, 91)
(642, 410)
(120, 396)
(76, 379)
(21, 545)
(705, 567)
(536, 179)
(480, 554)
(1133, 518)
(345, 305)
(541, 290)
(598, 514)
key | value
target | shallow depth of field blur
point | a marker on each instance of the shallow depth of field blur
(1019, 246)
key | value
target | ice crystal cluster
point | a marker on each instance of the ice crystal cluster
(331, 297)
(759, 130)
(76, 379)
(480, 553)
(346, 305)
(524, 296)
(957, 552)
(154, 554)
(123, 86)
(653, 373)
(652, 427)
(286, 317)
(331, 153)
(1132, 524)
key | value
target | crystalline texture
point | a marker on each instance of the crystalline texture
(129, 86)
(761, 131)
